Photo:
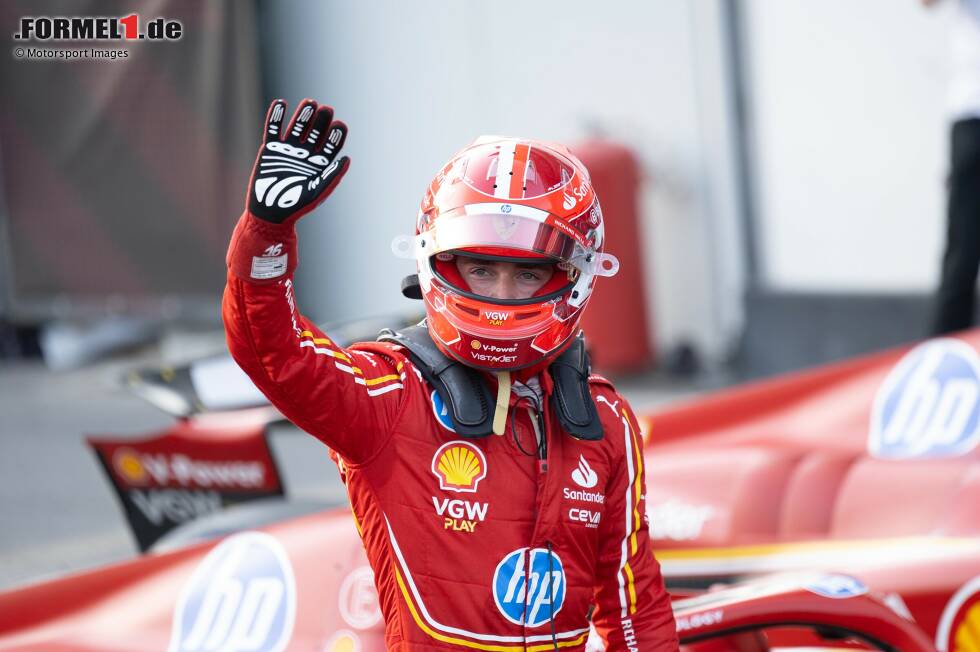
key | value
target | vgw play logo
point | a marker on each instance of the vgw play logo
(241, 597)
(929, 405)
(529, 595)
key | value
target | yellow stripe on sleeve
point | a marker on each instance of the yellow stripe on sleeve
(637, 489)
(316, 340)
(312, 343)
(382, 379)
(632, 587)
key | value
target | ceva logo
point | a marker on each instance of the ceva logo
(460, 466)
(928, 406)
(242, 596)
(536, 591)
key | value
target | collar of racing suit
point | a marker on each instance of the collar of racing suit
(470, 395)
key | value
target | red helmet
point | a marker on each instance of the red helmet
(509, 199)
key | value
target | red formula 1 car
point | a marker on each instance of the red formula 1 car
(832, 509)
(869, 467)
(304, 584)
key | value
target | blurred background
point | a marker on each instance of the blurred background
(775, 173)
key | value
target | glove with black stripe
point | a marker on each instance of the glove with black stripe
(298, 168)
(295, 170)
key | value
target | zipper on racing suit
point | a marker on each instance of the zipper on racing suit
(539, 423)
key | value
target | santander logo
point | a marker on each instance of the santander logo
(583, 475)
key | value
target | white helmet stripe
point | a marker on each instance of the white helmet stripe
(527, 169)
(505, 165)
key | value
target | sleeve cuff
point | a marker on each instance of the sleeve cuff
(260, 251)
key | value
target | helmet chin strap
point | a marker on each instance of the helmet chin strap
(503, 401)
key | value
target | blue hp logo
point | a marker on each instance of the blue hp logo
(528, 587)
(241, 597)
(837, 586)
(928, 405)
(441, 411)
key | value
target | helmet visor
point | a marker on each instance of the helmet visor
(502, 230)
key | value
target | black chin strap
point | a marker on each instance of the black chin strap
(469, 401)
(571, 400)
(465, 394)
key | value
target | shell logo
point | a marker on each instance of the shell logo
(959, 626)
(128, 465)
(475, 345)
(460, 466)
(967, 633)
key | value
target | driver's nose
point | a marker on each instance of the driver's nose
(503, 287)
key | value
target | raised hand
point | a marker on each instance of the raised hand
(298, 169)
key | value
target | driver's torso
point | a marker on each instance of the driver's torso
(458, 530)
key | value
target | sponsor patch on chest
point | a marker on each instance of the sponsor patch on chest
(586, 516)
(585, 480)
(460, 515)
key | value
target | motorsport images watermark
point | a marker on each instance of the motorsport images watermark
(102, 29)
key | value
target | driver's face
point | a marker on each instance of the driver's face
(503, 280)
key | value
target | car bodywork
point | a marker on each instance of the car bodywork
(836, 507)
(869, 467)
(304, 584)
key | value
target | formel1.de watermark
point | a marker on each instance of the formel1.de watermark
(50, 38)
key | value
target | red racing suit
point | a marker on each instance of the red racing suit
(458, 531)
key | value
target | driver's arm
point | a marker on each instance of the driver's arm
(347, 399)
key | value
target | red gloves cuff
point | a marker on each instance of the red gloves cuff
(262, 252)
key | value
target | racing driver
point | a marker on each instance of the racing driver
(497, 484)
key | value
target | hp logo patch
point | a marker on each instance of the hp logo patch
(241, 597)
(928, 405)
(836, 586)
(441, 411)
(529, 597)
